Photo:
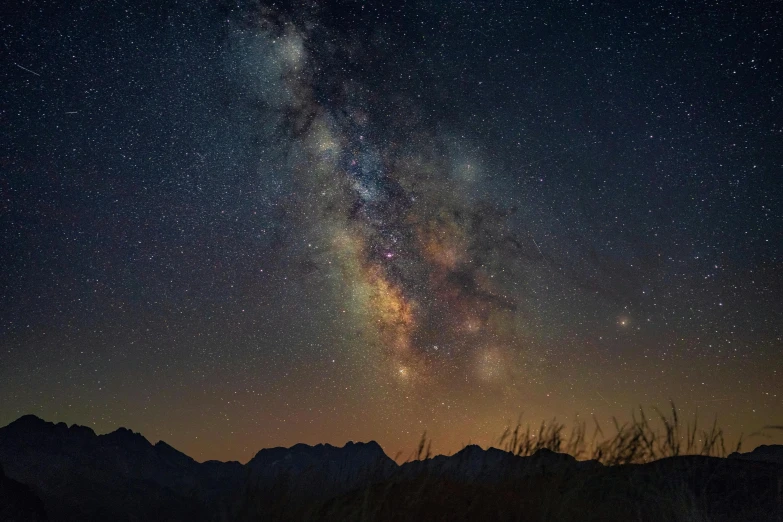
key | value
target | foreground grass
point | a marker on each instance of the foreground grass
(635, 442)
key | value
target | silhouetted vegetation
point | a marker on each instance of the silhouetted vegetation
(634, 442)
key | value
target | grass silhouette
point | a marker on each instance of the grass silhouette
(633, 442)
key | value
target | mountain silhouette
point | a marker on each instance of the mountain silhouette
(55, 472)
(474, 464)
(83, 476)
(321, 471)
(763, 453)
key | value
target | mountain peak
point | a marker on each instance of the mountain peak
(124, 436)
(369, 445)
(320, 450)
(471, 449)
(83, 431)
(172, 454)
(125, 432)
(764, 453)
(29, 420)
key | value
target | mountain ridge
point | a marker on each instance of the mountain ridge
(65, 466)
(128, 437)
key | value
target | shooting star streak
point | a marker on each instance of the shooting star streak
(26, 69)
(538, 247)
(604, 398)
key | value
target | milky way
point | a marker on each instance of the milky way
(417, 249)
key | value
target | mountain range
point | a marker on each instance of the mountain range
(55, 472)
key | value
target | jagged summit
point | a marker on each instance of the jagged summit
(764, 453)
(34, 423)
(476, 450)
(323, 448)
(471, 449)
(352, 455)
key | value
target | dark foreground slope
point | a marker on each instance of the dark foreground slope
(681, 488)
(78, 475)
(18, 503)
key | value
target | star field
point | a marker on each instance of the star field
(250, 224)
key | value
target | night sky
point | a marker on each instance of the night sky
(240, 225)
